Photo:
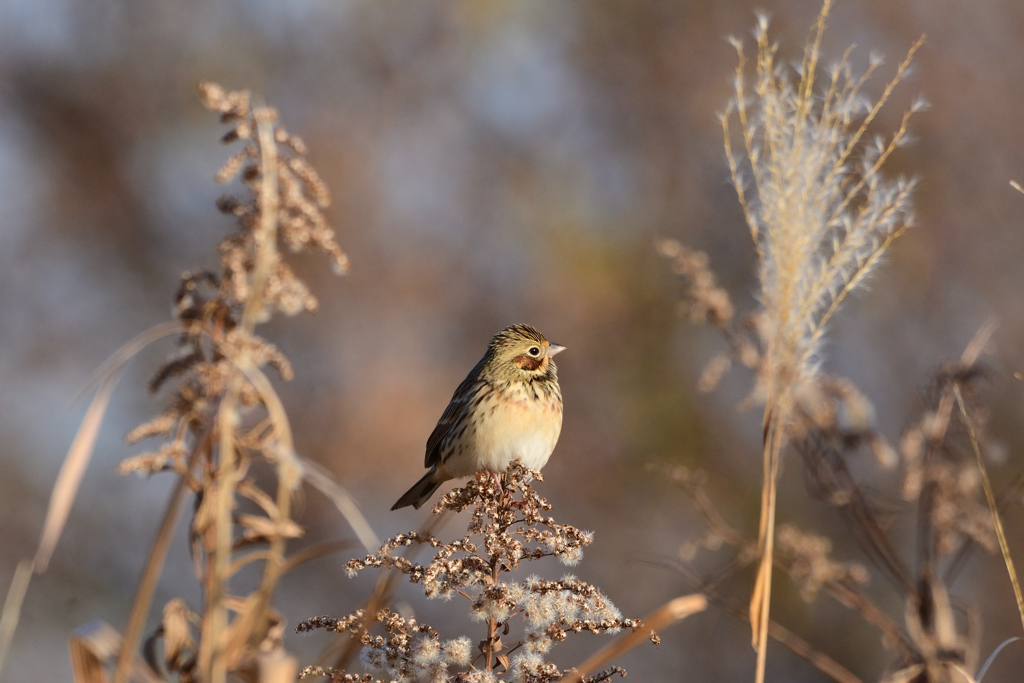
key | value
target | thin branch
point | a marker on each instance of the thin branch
(661, 618)
(1000, 534)
(143, 598)
(776, 631)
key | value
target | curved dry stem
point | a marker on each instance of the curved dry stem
(668, 614)
(65, 489)
(120, 358)
(760, 600)
(990, 497)
(143, 599)
(72, 470)
(12, 607)
(322, 481)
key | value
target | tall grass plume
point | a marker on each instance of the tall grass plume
(821, 215)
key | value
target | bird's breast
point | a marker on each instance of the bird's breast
(516, 424)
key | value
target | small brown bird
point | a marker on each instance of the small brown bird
(508, 408)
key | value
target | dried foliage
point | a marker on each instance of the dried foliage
(223, 416)
(508, 525)
(929, 641)
(831, 424)
(817, 206)
(822, 216)
(223, 413)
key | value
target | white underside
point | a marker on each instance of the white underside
(524, 431)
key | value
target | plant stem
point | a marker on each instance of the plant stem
(492, 623)
(155, 562)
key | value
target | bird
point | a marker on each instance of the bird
(508, 408)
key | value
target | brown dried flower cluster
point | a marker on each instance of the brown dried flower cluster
(812, 567)
(938, 463)
(224, 412)
(508, 526)
(707, 301)
(210, 306)
(302, 199)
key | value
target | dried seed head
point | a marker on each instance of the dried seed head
(506, 527)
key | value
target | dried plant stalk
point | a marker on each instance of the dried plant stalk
(671, 612)
(821, 217)
(993, 507)
(65, 488)
(225, 405)
(940, 457)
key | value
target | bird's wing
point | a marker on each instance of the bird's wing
(471, 390)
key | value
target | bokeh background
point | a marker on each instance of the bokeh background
(491, 163)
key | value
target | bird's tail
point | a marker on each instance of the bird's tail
(420, 492)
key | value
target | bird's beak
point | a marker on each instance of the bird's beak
(554, 349)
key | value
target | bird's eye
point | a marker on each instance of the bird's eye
(534, 351)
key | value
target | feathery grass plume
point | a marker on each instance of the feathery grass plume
(821, 215)
(508, 526)
(224, 411)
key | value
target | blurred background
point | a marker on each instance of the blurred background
(491, 163)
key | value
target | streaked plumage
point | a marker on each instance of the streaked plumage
(508, 408)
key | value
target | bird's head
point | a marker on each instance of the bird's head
(521, 352)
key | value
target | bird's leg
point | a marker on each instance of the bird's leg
(506, 495)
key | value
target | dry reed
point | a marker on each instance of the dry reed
(822, 216)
